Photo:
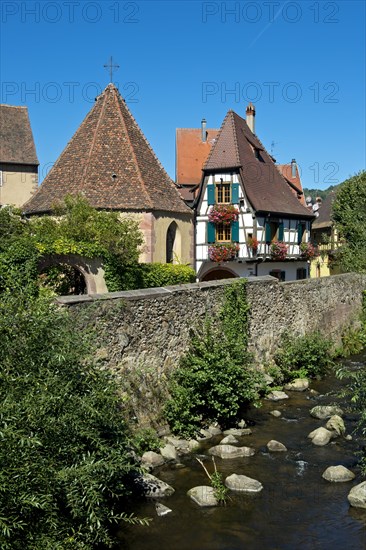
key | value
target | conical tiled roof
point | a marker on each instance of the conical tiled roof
(111, 163)
(238, 148)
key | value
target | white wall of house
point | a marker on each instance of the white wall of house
(243, 266)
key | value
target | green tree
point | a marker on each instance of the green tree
(349, 215)
(214, 380)
(65, 458)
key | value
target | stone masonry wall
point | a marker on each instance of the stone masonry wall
(150, 327)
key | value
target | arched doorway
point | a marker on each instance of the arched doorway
(64, 279)
(218, 273)
(173, 244)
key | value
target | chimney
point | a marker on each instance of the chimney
(293, 168)
(203, 130)
(250, 112)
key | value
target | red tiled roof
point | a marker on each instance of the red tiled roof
(192, 153)
(111, 163)
(266, 189)
(16, 138)
(294, 182)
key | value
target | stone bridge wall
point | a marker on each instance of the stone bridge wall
(150, 328)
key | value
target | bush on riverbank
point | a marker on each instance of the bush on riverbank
(65, 463)
(214, 381)
(304, 356)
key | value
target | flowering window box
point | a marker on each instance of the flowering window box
(279, 251)
(308, 251)
(223, 213)
(223, 252)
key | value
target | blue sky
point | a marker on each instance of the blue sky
(301, 63)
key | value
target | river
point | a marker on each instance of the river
(297, 509)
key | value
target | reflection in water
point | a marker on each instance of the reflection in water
(297, 509)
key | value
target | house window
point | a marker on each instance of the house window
(223, 232)
(300, 273)
(223, 193)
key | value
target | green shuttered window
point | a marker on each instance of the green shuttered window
(211, 233)
(235, 231)
(268, 232)
(211, 194)
(235, 193)
(280, 231)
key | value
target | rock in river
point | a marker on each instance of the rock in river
(154, 487)
(152, 459)
(162, 510)
(229, 451)
(275, 446)
(357, 495)
(243, 484)
(203, 495)
(277, 395)
(320, 436)
(336, 424)
(325, 411)
(338, 474)
(228, 439)
(299, 384)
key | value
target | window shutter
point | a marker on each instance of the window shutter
(235, 231)
(280, 232)
(268, 232)
(235, 193)
(210, 232)
(211, 194)
(300, 232)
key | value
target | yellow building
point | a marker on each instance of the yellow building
(111, 163)
(18, 158)
(324, 235)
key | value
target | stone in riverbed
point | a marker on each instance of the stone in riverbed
(152, 459)
(214, 430)
(243, 484)
(242, 423)
(229, 451)
(203, 495)
(338, 474)
(325, 411)
(238, 431)
(320, 436)
(228, 439)
(276, 446)
(162, 510)
(299, 384)
(357, 495)
(336, 424)
(153, 487)
(277, 395)
(276, 414)
(169, 452)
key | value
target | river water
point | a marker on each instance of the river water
(297, 509)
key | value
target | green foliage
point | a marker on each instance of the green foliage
(146, 275)
(322, 193)
(18, 253)
(65, 461)
(303, 356)
(355, 392)
(214, 381)
(349, 215)
(145, 439)
(220, 490)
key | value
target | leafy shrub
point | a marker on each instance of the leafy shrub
(214, 381)
(146, 439)
(301, 356)
(65, 461)
(145, 275)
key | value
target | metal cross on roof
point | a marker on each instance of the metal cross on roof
(110, 67)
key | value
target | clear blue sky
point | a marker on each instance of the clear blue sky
(301, 63)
